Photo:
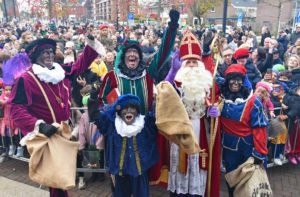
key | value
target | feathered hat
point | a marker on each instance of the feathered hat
(14, 67)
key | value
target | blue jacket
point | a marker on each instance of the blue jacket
(146, 154)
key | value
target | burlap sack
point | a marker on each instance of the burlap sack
(172, 119)
(249, 180)
(53, 160)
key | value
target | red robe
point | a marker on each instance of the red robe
(157, 173)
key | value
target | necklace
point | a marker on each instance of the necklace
(58, 98)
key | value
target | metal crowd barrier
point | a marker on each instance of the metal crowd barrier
(92, 170)
(101, 170)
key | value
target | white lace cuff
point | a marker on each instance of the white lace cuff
(32, 134)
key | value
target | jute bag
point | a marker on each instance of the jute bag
(249, 180)
(172, 119)
(52, 161)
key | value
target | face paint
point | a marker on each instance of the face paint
(235, 84)
(128, 114)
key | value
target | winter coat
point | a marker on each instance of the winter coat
(294, 37)
(253, 73)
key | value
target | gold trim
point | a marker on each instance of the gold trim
(145, 94)
(187, 40)
(191, 56)
(137, 157)
(119, 84)
(124, 142)
(44, 94)
(67, 89)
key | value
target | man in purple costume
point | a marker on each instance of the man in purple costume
(30, 110)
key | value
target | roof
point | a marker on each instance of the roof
(244, 3)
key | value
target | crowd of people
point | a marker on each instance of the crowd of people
(238, 98)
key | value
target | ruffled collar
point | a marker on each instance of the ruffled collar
(129, 130)
(54, 76)
(239, 100)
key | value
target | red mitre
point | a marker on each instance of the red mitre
(190, 47)
(236, 68)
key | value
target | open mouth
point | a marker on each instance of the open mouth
(129, 117)
(132, 60)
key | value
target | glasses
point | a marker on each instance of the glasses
(235, 81)
(277, 89)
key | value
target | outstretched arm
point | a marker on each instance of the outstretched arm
(166, 45)
(92, 49)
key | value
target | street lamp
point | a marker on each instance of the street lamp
(117, 15)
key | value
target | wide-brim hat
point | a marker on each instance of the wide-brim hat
(35, 48)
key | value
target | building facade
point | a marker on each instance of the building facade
(111, 10)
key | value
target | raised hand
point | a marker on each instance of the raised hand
(174, 16)
(176, 64)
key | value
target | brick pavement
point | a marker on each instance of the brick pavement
(284, 180)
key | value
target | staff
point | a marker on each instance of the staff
(213, 131)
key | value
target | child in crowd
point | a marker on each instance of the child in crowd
(88, 138)
(278, 143)
(9, 133)
(263, 91)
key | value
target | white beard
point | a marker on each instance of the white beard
(196, 84)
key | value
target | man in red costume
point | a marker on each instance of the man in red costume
(188, 173)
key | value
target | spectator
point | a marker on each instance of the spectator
(295, 35)
(265, 33)
(261, 60)
(227, 60)
(242, 57)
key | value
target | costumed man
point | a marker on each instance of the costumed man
(130, 144)
(188, 173)
(243, 122)
(47, 84)
(133, 76)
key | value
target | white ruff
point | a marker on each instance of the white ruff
(53, 76)
(239, 100)
(126, 130)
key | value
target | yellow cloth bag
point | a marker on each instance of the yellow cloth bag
(53, 160)
(172, 119)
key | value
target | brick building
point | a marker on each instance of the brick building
(108, 10)
(276, 14)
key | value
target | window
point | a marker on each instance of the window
(213, 9)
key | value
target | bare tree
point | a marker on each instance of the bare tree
(200, 7)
